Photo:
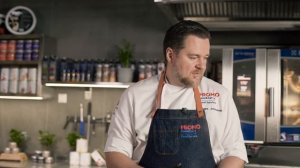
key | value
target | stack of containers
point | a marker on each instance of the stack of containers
(4, 80)
(11, 50)
(19, 50)
(27, 50)
(32, 80)
(3, 50)
(35, 50)
(23, 80)
(13, 80)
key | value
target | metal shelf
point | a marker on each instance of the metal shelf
(17, 63)
(116, 85)
(22, 97)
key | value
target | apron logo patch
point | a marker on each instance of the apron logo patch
(189, 130)
(209, 97)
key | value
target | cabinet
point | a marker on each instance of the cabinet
(20, 66)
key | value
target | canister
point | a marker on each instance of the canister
(85, 159)
(3, 54)
(27, 55)
(13, 80)
(28, 45)
(32, 80)
(81, 145)
(11, 55)
(11, 45)
(74, 158)
(20, 45)
(4, 78)
(19, 54)
(36, 44)
(105, 73)
(99, 73)
(35, 54)
(23, 80)
(3, 45)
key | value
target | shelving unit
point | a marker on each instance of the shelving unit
(41, 91)
(116, 85)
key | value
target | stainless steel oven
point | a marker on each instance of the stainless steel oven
(265, 84)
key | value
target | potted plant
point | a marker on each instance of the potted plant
(72, 138)
(46, 139)
(17, 136)
(125, 54)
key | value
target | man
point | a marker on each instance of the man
(178, 118)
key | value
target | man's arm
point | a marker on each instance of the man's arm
(119, 160)
(231, 162)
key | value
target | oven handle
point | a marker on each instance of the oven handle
(271, 102)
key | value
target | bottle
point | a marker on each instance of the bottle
(77, 70)
(45, 68)
(52, 68)
(63, 70)
(83, 70)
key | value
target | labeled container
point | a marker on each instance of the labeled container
(11, 55)
(23, 80)
(19, 54)
(20, 45)
(3, 45)
(36, 44)
(35, 54)
(99, 73)
(105, 73)
(13, 80)
(32, 81)
(3, 54)
(11, 45)
(27, 55)
(28, 45)
(4, 78)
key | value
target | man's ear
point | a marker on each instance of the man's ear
(170, 54)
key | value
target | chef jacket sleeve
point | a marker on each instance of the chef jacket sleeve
(233, 141)
(120, 134)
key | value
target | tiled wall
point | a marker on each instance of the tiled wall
(82, 29)
(32, 116)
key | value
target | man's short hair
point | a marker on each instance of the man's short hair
(177, 33)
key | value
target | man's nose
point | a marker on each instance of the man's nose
(201, 63)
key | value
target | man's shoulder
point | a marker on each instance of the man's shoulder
(146, 84)
(211, 85)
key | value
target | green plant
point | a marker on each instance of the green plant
(125, 53)
(72, 138)
(46, 138)
(16, 136)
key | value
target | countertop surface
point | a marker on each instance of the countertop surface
(30, 164)
(65, 164)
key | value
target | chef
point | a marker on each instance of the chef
(178, 118)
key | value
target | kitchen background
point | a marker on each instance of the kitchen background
(81, 29)
(91, 29)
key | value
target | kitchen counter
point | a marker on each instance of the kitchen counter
(65, 164)
(268, 166)
(30, 164)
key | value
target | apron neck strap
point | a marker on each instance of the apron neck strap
(199, 107)
(157, 102)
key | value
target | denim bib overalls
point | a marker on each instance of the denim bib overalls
(178, 137)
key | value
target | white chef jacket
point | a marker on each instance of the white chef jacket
(130, 122)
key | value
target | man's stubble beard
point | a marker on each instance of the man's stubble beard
(187, 82)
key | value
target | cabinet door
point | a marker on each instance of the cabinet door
(244, 74)
(284, 75)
